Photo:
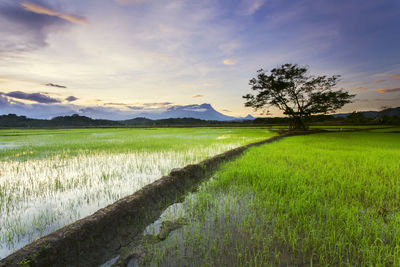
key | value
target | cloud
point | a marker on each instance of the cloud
(34, 110)
(191, 85)
(45, 111)
(384, 90)
(228, 48)
(37, 97)
(135, 107)
(55, 85)
(140, 106)
(358, 88)
(187, 85)
(115, 104)
(377, 99)
(128, 2)
(22, 30)
(396, 76)
(378, 81)
(250, 7)
(157, 104)
(195, 109)
(45, 11)
(362, 100)
(161, 56)
(196, 96)
(4, 102)
(71, 98)
(229, 62)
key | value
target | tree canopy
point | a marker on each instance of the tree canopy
(299, 95)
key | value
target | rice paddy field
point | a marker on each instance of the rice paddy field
(50, 178)
(329, 199)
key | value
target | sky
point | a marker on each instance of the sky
(121, 57)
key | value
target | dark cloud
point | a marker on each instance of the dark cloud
(135, 107)
(35, 110)
(4, 102)
(71, 98)
(22, 30)
(55, 85)
(37, 97)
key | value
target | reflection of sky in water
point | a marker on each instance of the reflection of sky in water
(7, 145)
(48, 194)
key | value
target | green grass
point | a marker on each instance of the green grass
(330, 199)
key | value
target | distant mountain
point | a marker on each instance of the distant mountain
(391, 112)
(247, 118)
(375, 114)
(202, 112)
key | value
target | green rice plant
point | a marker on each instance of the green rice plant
(329, 199)
(50, 178)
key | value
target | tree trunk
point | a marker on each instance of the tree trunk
(298, 123)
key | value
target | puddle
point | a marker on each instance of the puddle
(110, 262)
(132, 263)
(172, 213)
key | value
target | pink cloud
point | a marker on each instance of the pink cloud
(384, 90)
(45, 11)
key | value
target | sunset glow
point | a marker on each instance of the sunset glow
(74, 55)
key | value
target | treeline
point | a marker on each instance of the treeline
(12, 120)
(355, 118)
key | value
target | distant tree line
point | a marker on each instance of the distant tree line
(12, 120)
(355, 118)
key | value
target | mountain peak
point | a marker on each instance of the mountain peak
(206, 105)
(198, 111)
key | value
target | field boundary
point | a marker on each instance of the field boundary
(96, 238)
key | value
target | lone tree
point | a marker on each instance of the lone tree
(300, 95)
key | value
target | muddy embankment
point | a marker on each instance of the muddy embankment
(93, 240)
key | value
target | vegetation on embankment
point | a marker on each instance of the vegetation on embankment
(328, 199)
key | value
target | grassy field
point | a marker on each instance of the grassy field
(328, 199)
(50, 178)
